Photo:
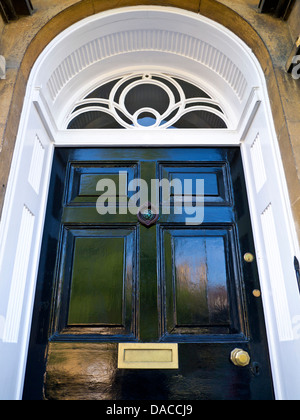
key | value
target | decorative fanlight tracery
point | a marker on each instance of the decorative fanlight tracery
(147, 100)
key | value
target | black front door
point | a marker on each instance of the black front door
(106, 277)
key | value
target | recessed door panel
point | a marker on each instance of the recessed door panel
(96, 284)
(84, 181)
(214, 176)
(202, 288)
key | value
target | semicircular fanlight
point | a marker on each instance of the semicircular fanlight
(147, 101)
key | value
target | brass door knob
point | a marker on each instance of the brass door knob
(248, 257)
(240, 358)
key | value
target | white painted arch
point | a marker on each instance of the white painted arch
(171, 41)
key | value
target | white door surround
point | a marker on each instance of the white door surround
(158, 40)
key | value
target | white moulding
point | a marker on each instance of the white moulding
(2, 67)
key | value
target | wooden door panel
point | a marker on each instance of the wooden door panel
(215, 177)
(82, 180)
(97, 284)
(202, 286)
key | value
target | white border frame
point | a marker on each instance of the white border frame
(38, 131)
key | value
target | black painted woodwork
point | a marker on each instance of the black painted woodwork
(105, 279)
(12, 9)
(297, 269)
(281, 8)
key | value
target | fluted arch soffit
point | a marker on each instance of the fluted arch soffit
(146, 39)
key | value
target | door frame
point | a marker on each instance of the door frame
(41, 130)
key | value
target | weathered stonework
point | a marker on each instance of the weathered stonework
(271, 40)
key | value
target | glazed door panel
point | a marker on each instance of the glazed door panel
(105, 278)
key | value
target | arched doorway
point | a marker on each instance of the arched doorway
(147, 40)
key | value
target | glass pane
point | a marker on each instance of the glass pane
(146, 120)
(147, 96)
(200, 119)
(192, 91)
(103, 91)
(93, 120)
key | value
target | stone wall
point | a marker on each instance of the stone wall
(271, 40)
(1, 28)
(294, 20)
